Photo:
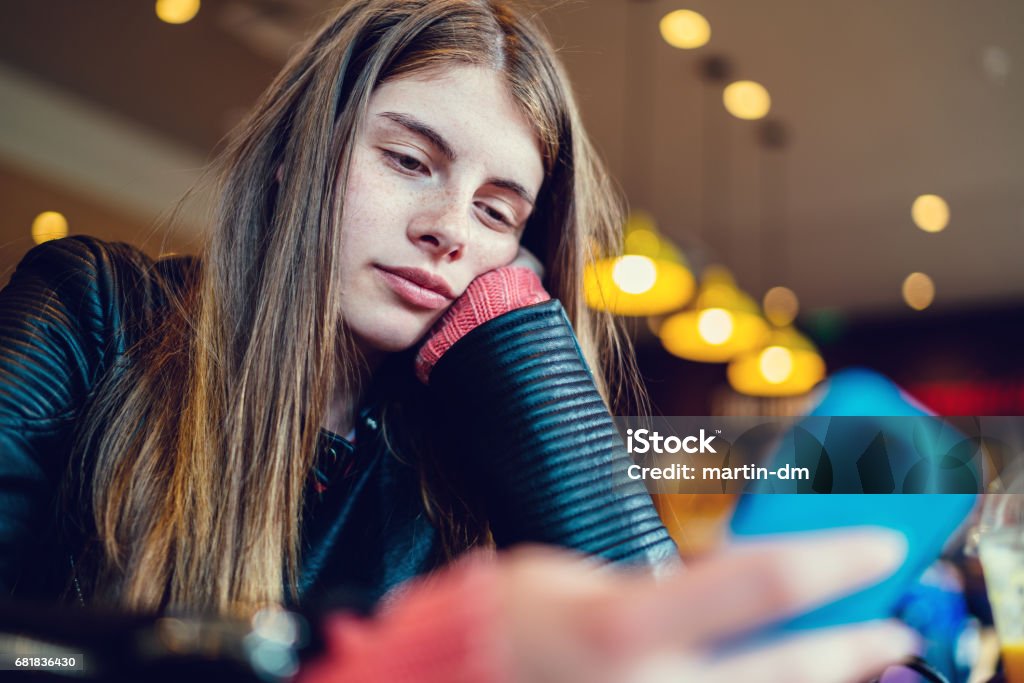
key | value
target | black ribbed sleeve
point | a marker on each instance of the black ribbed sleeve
(538, 444)
(54, 334)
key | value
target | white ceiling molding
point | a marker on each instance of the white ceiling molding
(54, 134)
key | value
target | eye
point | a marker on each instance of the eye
(404, 162)
(495, 215)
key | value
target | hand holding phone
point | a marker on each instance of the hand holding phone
(925, 521)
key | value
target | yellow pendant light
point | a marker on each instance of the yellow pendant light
(724, 323)
(787, 364)
(650, 278)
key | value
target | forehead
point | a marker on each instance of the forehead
(473, 109)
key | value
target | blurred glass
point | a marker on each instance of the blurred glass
(999, 539)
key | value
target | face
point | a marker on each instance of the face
(444, 175)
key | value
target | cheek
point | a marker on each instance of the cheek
(497, 251)
(374, 213)
(354, 219)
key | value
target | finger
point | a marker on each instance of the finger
(739, 591)
(838, 655)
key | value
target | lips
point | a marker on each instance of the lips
(417, 287)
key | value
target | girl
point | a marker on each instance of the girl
(253, 427)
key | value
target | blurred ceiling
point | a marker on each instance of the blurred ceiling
(108, 114)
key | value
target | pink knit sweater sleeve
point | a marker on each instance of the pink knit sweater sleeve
(488, 296)
(442, 629)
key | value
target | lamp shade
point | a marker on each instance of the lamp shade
(650, 278)
(724, 323)
(787, 364)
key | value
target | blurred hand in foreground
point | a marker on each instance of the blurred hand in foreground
(545, 616)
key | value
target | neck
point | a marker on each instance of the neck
(340, 414)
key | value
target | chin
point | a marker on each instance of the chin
(392, 344)
(379, 322)
(392, 334)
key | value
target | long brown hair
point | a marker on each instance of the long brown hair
(205, 439)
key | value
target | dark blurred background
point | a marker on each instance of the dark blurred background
(107, 114)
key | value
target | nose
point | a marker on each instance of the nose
(442, 228)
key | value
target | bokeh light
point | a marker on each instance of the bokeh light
(715, 325)
(634, 274)
(685, 29)
(49, 225)
(177, 11)
(930, 213)
(747, 100)
(776, 363)
(780, 306)
(918, 291)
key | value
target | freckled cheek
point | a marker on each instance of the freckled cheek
(496, 252)
(374, 218)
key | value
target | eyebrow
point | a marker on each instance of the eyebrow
(417, 127)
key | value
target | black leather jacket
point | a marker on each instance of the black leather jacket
(529, 434)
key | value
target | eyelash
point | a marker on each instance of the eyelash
(397, 159)
(496, 215)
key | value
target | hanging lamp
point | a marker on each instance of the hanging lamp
(724, 322)
(788, 364)
(650, 278)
